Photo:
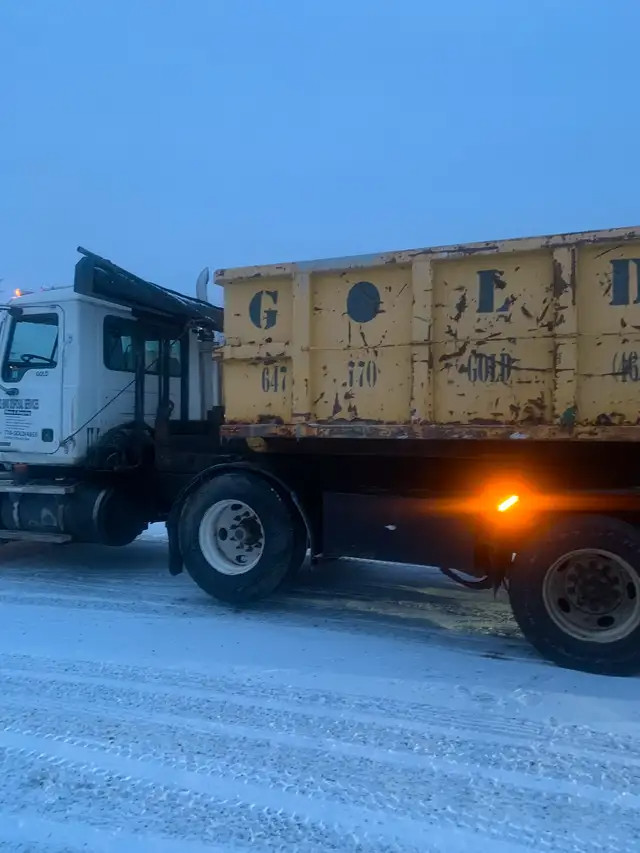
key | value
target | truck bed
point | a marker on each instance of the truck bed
(530, 338)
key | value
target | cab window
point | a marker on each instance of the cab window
(119, 337)
(32, 345)
(152, 357)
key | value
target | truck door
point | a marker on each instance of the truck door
(152, 338)
(31, 380)
(123, 339)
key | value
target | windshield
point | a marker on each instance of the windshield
(33, 343)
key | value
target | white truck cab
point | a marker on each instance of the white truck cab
(68, 370)
(87, 372)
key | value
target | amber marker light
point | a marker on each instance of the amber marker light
(506, 504)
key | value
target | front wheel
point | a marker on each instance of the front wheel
(575, 594)
(239, 537)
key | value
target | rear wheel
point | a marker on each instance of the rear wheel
(239, 537)
(575, 593)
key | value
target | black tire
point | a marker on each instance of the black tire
(527, 583)
(281, 540)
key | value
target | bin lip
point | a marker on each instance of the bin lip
(459, 250)
(428, 431)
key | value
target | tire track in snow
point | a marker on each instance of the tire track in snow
(162, 606)
(268, 753)
(60, 786)
(409, 715)
(352, 746)
(251, 812)
(323, 772)
(28, 832)
(35, 847)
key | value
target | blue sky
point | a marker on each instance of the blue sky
(170, 134)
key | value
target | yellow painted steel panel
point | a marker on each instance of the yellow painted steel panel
(609, 382)
(362, 384)
(257, 375)
(533, 338)
(258, 312)
(340, 299)
(609, 343)
(361, 370)
(492, 351)
(509, 297)
(258, 390)
(608, 294)
(496, 381)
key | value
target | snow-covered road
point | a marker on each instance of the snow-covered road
(374, 708)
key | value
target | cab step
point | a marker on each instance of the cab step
(32, 536)
(11, 487)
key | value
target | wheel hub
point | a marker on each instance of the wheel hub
(593, 595)
(231, 537)
(595, 587)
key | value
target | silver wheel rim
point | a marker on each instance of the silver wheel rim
(231, 537)
(593, 596)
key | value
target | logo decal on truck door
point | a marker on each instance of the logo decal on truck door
(18, 420)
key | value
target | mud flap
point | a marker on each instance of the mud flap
(176, 564)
